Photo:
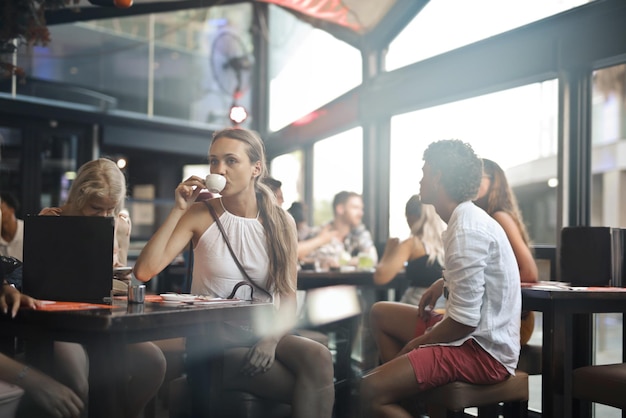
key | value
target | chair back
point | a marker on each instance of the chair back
(586, 255)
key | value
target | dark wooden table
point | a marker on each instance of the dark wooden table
(104, 333)
(309, 279)
(568, 340)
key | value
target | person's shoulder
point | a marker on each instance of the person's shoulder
(50, 212)
(360, 229)
(503, 218)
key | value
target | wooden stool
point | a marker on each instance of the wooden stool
(450, 400)
(232, 404)
(601, 384)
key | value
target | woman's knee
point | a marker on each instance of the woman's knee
(378, 314)
(149, 362)
(317, 361)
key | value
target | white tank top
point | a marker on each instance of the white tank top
(214, 270)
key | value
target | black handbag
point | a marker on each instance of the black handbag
(9, 264)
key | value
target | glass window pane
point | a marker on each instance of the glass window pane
(173, 65)
(516, 128)
(338, 166)
(608, 193)
(308, 68)
(289, 169)
(444, 25)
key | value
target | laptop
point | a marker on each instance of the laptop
(68, 258)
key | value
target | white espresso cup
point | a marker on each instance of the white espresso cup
(215, 183)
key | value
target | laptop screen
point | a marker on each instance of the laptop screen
(68, 258)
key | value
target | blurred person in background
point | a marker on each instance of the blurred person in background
(276, 187)
(420, 255)
(298, 211)
(344, 239)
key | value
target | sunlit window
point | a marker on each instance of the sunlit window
(516, 128)
(338, 166)
(444, 25)
(288, 169)
(308, 68)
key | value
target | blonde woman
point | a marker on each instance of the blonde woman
(99, 189)
(420, 255)
(278, 365)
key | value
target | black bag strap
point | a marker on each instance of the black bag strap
(248, 281)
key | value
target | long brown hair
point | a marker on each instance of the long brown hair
(280, 232)
(500, 196)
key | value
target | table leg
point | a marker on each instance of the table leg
(557, 353)
(583, 348)
(107, 382)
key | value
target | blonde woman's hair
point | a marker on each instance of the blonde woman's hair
(100, 179)
(428, 228)
(280, 233)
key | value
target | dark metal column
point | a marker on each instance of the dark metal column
(575, 137)
(260, 75)
(376, 154)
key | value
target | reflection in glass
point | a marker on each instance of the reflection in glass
(156, 65)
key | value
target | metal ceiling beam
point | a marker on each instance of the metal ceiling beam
(81, 14)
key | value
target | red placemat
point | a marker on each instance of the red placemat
(49, 305)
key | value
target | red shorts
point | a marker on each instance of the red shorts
(437, 365)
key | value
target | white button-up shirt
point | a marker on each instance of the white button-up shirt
(483, 283)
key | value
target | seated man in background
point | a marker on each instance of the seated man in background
(342, 240)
